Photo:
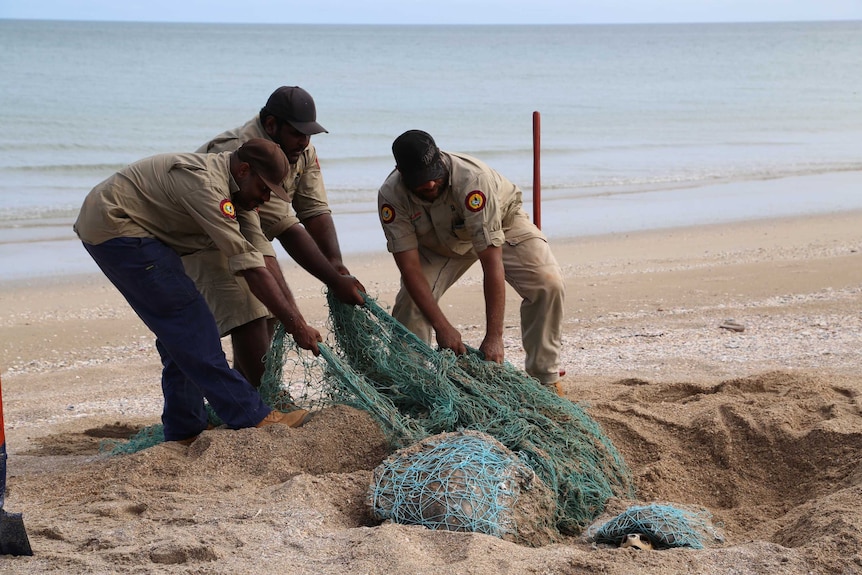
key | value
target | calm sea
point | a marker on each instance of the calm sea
(642, 126)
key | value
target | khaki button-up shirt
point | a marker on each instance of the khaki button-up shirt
(303, 184)
(472, 214)
(183, 200)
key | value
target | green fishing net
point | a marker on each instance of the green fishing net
(146, 437)
(464, 481)
(665, 526)
(415, 391)
(373, 363)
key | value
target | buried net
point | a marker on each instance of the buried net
(463, 473)
(146, 437)
(414, 391)
(464, 481)
(665, 526)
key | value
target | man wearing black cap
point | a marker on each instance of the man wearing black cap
(440, 212)
(289, 119)
(137, 224)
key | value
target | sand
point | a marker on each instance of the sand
(759, 427)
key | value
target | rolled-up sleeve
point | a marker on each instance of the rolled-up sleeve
(310, 198)
(211, 208)
(394, 217)
(276, 217)
(245, 261)
(249, 225)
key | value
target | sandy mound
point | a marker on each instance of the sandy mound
(775, 458)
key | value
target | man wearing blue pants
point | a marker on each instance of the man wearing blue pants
(137, 224)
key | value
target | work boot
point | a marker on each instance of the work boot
(292, 419)
(193, 438)
(556, 387)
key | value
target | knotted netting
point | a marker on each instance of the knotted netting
(465, 481)
(664, 525)
(147, 437)
(414, 391)
(372, 362)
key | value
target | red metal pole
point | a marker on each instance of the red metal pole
(537, 170)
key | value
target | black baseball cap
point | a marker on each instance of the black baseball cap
(268, 161)
(296, 107)
(418, 158)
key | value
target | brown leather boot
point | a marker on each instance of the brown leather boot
(294, 418)
(556, 387)
(190, 440)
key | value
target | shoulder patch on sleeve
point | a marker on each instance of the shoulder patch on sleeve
(475, 201)
(227, 209)
(387, 213)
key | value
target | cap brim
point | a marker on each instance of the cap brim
(276, 189)
(308, 128)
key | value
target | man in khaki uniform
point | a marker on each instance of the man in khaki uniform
(137, 224)
(442, 211)
(289, 119)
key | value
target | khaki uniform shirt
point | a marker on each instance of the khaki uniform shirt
(304, 182)
(183, 200)
(474, 212)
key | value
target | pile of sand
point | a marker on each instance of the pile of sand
(776, 458)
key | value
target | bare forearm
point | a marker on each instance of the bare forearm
(300, 245)
(278, 276)
(265, 288)
(494, 287)
(421, 294)
(280, 302)
(417, 286)
(495, 307)
(322, 230)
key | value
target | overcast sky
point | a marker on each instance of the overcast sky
(434, 11)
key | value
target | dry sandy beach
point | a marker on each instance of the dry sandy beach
(761, 427)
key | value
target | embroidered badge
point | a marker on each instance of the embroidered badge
(227, 209)
(387, 213)
(475, 201)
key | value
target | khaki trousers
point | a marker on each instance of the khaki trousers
(533, 272)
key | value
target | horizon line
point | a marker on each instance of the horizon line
(428, 25)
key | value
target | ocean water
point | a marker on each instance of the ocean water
(642, 126)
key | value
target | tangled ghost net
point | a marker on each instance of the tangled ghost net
(414, 391)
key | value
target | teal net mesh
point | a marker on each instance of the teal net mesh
(414, 391)
(146, 437)
(665, 526)
(373, 363)
(456, 482)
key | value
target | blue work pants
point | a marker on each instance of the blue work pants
(151, 277)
